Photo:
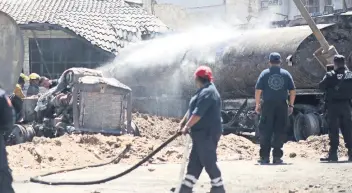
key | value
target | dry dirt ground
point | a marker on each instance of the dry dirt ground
(303, 172)
(239, 177)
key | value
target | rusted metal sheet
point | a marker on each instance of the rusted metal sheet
(11, 52)
(101, 111)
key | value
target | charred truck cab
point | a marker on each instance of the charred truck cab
(244, 59)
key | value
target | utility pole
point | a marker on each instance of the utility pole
(326, 53)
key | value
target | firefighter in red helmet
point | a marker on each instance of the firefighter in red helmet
(203, 122)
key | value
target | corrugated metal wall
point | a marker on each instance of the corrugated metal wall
(161, 106)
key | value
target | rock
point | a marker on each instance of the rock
(311, 186)
(161, 159)
(317, 186)
(292, 191)
(342, 190)
(293, 155)
(51, 158)
(151, 169)
(58, 142)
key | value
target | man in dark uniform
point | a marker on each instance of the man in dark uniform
(7, 119)
(273, 85)
(204, 123)
(337, 85)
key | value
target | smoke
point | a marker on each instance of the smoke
(169, 61)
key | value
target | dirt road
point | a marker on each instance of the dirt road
(240, 176)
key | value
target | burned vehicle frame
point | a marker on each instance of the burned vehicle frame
(84, 101)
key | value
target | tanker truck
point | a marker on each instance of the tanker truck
(242, 62)
(236, 68)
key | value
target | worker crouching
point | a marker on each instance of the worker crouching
(337, 85)
(204, 124)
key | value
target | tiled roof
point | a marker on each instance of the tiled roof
(109, 24)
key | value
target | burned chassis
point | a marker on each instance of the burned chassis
(83, 102)
(306, 120)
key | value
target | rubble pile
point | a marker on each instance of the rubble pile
(314, 147)
(156, 128)
(233, 147)
(80, 150)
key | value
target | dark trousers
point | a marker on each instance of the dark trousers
(203, 155)
(339, 116)
(273, 120)
(5, 173)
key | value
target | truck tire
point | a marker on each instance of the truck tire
(306, 125)
(297, 132)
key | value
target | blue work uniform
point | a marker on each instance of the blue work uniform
(205, 135)
(7, 119)
(275, 83)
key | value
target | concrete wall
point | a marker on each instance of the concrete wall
(39, 34)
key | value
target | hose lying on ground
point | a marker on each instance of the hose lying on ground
(37, 180)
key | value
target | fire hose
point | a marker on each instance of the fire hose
(117, 159)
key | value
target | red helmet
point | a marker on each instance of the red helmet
(204, 72)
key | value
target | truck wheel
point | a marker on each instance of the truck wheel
(312, 125)
(306, 125)
(297, 132)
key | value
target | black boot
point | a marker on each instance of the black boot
(264, 160)
(331, 157)
(277, 160)
(185, 189)
(219, 189)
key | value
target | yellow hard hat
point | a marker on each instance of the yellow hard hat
(24, 77)
(34, 76)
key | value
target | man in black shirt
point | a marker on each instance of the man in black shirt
(204, 123)
(337, 85)
(273, 85)
(7, 119)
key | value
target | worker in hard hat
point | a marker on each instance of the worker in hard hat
(33, 88)
(6, 125)
(20, 85)
(18, 96)
(272, 86)
(203, 121)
